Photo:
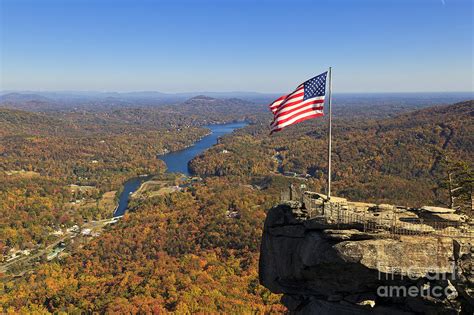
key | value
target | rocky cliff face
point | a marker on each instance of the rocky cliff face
(335, 267)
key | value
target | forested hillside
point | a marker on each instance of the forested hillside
(182, 252)
(399, 160)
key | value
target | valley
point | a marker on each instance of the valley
(191, 242)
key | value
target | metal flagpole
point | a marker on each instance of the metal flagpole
(329, 135)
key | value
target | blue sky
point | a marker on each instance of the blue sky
(263, 46)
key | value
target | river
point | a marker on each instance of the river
(177, 162)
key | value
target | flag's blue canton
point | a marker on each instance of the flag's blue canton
(315, 87)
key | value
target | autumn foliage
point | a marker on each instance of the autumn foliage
(181, 253)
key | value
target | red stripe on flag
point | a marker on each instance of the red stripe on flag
(298, 121)
(279, 122)
(278, 99)
(280, 112)
(289, 96)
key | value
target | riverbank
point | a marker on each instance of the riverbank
(177, 161)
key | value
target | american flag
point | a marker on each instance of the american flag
(304, 103)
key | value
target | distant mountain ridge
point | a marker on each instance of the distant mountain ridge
(360, 103)
(20, 97)
(131, 96)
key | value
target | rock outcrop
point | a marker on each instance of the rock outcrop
(327, 266)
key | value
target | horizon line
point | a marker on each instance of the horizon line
(214, 92)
